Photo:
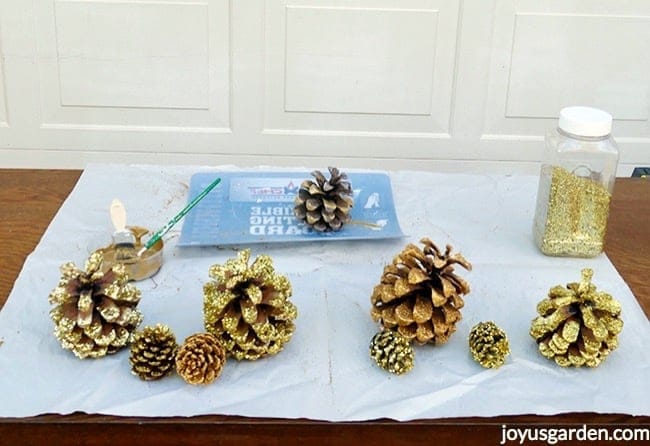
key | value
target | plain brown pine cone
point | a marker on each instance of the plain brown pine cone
(325, 204)
(419, 295)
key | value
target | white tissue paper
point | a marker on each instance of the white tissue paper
(325, 371)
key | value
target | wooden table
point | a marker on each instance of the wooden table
(30, 198)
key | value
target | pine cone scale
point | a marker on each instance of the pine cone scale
(437, 299)
(422, 310)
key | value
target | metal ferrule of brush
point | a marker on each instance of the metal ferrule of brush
(124, 239)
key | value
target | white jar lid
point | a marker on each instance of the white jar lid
(585, 121)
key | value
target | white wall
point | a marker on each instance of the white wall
(432, 84)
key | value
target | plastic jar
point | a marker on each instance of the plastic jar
(576, 184)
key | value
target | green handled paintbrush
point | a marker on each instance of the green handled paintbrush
(161, 232)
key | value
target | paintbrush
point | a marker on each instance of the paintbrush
(123, 238)
(161, 232)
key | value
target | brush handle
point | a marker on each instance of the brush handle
(121, 236)
(118, 215)
(161, 232)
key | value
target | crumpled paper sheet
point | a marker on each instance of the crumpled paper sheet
(325, 371)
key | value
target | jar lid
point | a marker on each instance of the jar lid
(585, 121)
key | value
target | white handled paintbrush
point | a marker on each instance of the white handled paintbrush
(123, 238)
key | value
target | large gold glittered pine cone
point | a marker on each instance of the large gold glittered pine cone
(577, 325)
(392, 352)
(153, 352)
(488, 344)
(419, 295)
(248, 307)
(325, 204)
(94, 311)
(200, 359)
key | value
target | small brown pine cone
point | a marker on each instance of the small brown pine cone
(392, 352)
(325, 204)
(577, 325)
(488, 345)
(153, 352)
(419, 295)
(200, 359)
(94, 310)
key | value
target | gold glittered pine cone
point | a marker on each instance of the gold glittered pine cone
(153, 352)
(577, 325)
(419, 295)
(392, 352)
(248, 308)
(200, 359)
(325, 204)
(488, 344)
(94, 311)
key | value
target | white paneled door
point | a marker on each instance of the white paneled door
(426, 84)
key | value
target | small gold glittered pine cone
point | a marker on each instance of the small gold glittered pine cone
(488, 344)
(153, 352)
(248, 308)
(577, 325)
(325, 204)
(392, 352)
(419, 295)
(200, 359)
(94, 311)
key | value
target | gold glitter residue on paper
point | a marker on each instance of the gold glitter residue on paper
(575, 219)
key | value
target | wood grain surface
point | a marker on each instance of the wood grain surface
(29, 199)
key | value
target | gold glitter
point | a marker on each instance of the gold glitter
(248, 307)
(419, 295)
(94, 310)
(571, 216)
(392, 352)
(488, 345)
(153, 352)
(577, 325)
(137, 267)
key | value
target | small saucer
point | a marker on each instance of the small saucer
(138, 268)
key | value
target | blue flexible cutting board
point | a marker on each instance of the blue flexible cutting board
(257, 207)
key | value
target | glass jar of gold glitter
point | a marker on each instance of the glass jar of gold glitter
(576, 184)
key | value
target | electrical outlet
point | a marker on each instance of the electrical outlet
(643, 172)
